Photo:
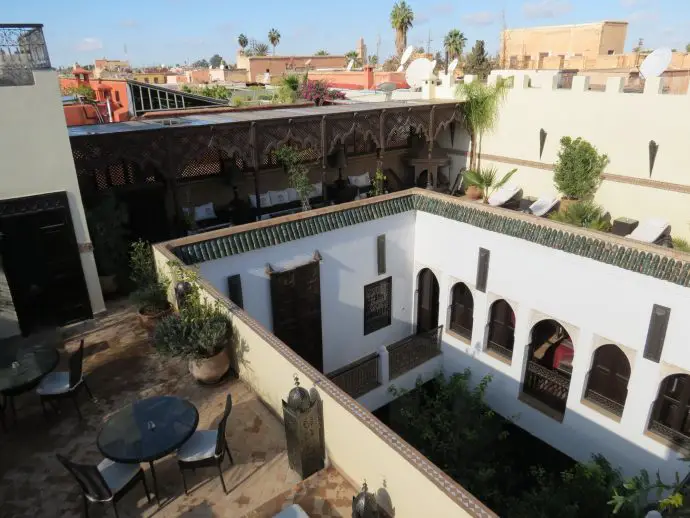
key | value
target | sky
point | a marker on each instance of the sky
(155, 32)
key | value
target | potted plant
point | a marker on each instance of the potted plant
(199, 332)
(578, 170)
(298, 174)
(150, 293)
(585, 214)
(484, 180)
(107, 221)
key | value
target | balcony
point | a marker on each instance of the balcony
(22, 50)
(410, 352)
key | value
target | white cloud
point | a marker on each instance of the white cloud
(89, 44)
(480, 18)
(546, 8)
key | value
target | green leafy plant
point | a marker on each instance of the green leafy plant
(150, 292)
(681, 244)
(321, 52)
(354, 57)
(635, 494)
(578, 170)
(585, 214)
(81, 90)
(401, 19)
(478, 61)
(274, 39)
(238, 101)
(288, 157)
(242, 41)
(454, 43)
(107, 220)
(288, 90)
(480, 113)
(486, 180)
(378, 186)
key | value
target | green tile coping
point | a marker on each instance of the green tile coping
(627, 257)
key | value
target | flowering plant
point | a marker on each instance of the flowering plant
(319, 92)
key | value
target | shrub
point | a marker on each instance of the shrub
(150, 293)
(298, 174)
(83, 90)
(485, 180)
(681, 244)
(318, 92)
(578, 170)
(585, 214)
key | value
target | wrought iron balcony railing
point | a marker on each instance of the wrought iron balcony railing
(606, 403)
(672, 435)
(22, 50)
(549, 386)
(359, 377)
(408, 353)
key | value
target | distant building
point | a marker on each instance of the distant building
(278, 66)
(102, 66)
(531, 46)
(155, 78)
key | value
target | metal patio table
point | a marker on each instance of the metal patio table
(148, 430)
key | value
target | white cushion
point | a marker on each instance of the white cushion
(363, 180)
(279, 197)
(54, 383)
(264, 198)
(201, 445)
(317, 190)
(117, 475)
(503, 194)
(543, 205)
(649, 230)
(203, 212)
(292, 194)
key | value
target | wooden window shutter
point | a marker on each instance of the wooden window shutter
(656, 333)
(483, 269)
(381, 253)
(235, 290)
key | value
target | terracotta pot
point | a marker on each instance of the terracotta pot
(210, 371)
(473, 192)
(565, 203)
(108, 284)
(149, 320)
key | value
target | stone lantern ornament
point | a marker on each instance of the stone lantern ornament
(303, 425)
(364, 504)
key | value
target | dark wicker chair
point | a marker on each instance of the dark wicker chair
(60, 385)
(107, 482)
(206, 448)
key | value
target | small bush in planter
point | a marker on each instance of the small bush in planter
(150, 293)
(585, 214)
(486, 181)
(578, 170)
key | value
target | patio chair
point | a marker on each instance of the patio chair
(61, 384)
(206, 448)
(653, 230)
(543, 206)
(507, 196)
(106, 482)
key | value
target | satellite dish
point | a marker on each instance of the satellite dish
(432, 67)
(350, 65)
(406, 55)
(655, 64)
(453, 65)
(400, 68)
(307, 62)
(418, 72)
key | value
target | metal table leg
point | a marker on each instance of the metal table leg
(155, 483)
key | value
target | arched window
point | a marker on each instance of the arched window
(501, 329)
(427, 301)
(461, 311)
(670, 415)
(607, 385)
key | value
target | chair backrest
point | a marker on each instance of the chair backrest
(89, 478)
(75, 364)
(220, 439)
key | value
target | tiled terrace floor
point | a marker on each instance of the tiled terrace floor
(121, 366)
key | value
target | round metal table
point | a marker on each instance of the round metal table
(147, 430)
(22, 367)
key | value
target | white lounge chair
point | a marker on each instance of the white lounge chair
(543, 206)
(653, 230)
(503, 195)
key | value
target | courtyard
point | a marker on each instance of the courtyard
(121, 367)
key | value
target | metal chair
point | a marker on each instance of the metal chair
(59, 385)
(206, 448)
(107, 482)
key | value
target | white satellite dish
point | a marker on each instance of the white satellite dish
(307, 62)
(432, 67)
(655, 64)
(350, 65)
(418, 72)
(400, 68)
(453, 65)
(406, 55)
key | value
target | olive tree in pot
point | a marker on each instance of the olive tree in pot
(578, 170)
(199, 333)
(150, 293)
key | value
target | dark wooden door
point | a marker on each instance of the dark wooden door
(148, 219)
(42, 265)
(427, 301)
(296, 303)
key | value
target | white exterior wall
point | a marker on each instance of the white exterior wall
(596, 303)
(618, 124)
(37, 158)
(349, 262)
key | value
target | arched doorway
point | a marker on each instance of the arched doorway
(607, 383)
(427, 301)
(501, 329)
(549, 366)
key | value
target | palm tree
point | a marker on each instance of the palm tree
(454, 43)
(274, 39)
(486, 180)
(243, 41)
(353, 56)
(480, 112)
(401, 20)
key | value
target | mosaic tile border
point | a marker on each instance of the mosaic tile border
(588, 244)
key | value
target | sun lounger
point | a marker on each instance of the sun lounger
(505, 194)
(654, 230)
(543, 206)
